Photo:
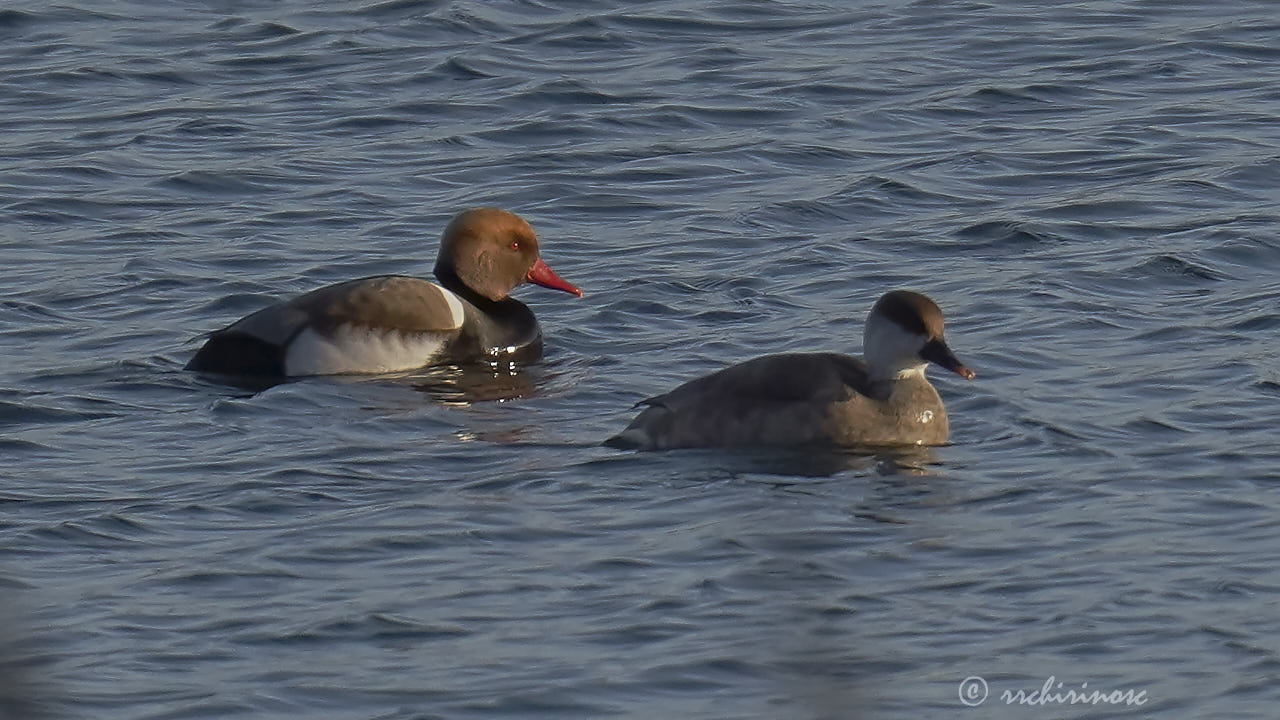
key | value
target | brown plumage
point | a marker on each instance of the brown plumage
(394, 322)
(815, 399)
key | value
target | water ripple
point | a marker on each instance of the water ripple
(1087, 190)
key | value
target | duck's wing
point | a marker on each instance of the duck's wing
(771, 400)
(388, 302)
(790, 378)
(259, 344)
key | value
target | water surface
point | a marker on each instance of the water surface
(1088, 191)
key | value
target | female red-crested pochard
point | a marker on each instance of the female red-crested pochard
(390, 323)
(815, 399)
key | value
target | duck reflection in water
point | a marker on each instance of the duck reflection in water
(462, 385)
(453, 385)
(907, 461)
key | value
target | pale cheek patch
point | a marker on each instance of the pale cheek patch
(361, 350)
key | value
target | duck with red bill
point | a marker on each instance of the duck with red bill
(391, 323)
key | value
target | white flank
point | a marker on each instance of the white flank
(455, 307)
(363, 350)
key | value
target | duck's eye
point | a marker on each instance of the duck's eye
(514, 245)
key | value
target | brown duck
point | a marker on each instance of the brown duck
(815, 399)
(390, 323)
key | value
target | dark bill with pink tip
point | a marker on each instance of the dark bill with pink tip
(936, 351)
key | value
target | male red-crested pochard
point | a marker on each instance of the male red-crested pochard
(389, 323)
(815, 399)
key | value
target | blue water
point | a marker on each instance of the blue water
(1088, 190)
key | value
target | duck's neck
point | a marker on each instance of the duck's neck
(499, 323)
(896, 373)
(910, 373)
(450, 281)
